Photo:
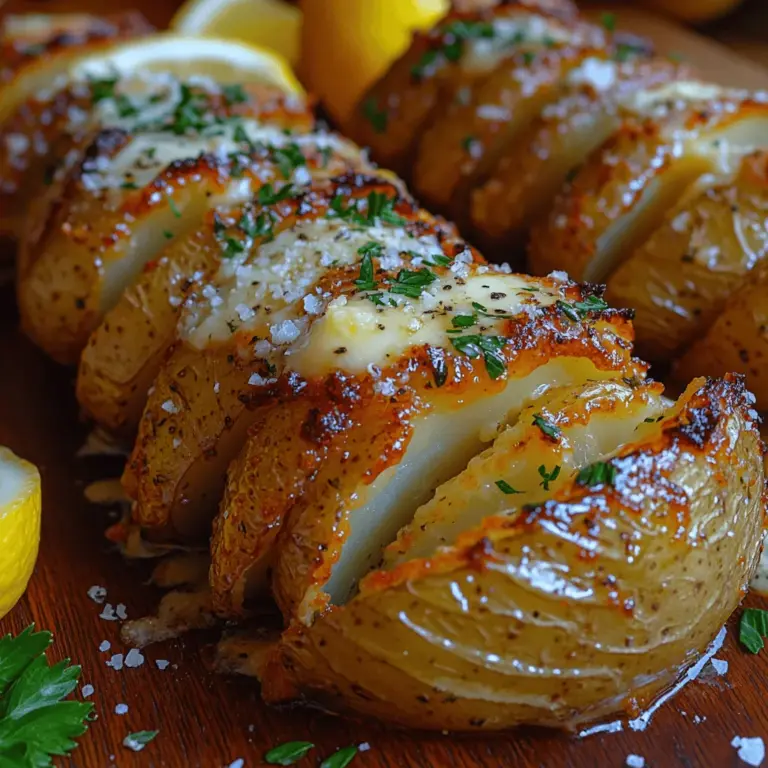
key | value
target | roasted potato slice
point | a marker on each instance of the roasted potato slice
(204, 398)
(561, 432)
(129, 196)
(370, 442)
(679, 280)
(124, 353)
(626, 188)
(463, 147)
(565, 610)
(736, 341)
(530, 172)
(36, 48)
(439, 66)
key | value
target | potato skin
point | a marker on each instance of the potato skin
(395, 110)
(117, 368)
(736, 341)
(586, 589)
(680, 279)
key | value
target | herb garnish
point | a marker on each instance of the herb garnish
(35, 724)
(378, 118)
(174, 208)
(578, 310)
(138, 740)
(599, 473)
(269, 196)
(454, 38)
(411, 283)
(289, 753)
(548, 477)
(234, 94)
(608, 20)
(288, 158)
(379, 206)
(102, 89)
(487, 347)
(463, 321)
(626, 51)
(340, 759)
(438, 260)
(232, 247)
(506, 488)
(550, 430)
(366, 281)
(753, 627)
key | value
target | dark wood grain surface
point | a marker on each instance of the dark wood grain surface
(211, 721)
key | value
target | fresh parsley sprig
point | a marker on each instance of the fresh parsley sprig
(578, 310)
(35, 723)
(753, 627)
(599, 473)
(487, 347)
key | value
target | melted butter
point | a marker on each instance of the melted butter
(356, 333)
(147, 154)
(269, 290)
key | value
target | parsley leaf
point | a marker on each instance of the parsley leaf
(340, 759)
(288, 159)
(174, 208)
(578, 310)
(269, 196)
(102, 89)
(463, 321)
(487, 347)
(548, 477)
(289, 753)
(410, 283)
(550, 430)
(378, 118)
(753, 627)
(367, 280)
(599, 473)
(232, 247)
(505, 487)
(138, 740)
(499, 315)
(608, 20)
(452, 45)
(35, 724)
(234, 94)
(438, 260)
(381, 207)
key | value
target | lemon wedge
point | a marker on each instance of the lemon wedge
(272, 24)
(346, 45)
(20, 502)
(226, 61)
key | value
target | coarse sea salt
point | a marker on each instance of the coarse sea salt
(104, 646)
(121, 709)
(97, 594)
(86, 691)
(635, 761)
(108, 613)
(116, 661)
(720, 665)
(751, 750)
(162, 663)
(134, 658)
(239, 763)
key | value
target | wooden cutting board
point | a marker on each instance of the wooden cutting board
(211, 721)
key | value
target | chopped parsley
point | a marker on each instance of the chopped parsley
(366, 280)
(454, 38)
(599, 473)
(262, 226)
(506, 488)
(379, 207)
(240, 135)
(467, 142)
(550, 430)
(548, 477)
(487, 347)
(463, 321)
(326, 153)
(35, 723)
(578, 310)
(626, 51)
(174, 208)
(167, 234)
(376, 117)
(269, 196)
(289, 753)
(340, 759)
(499, 315)
(234, 94)
(189, 115)
(102, 89)
(138, 740)
(608, 20)
(128, 185)
(437, 260)
(411, 283)
(528, 58)
(288, 158)
(232, 248)
(753, 627)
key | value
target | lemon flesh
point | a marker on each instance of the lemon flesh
(20, 504)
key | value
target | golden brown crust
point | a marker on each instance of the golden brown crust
(588, 576)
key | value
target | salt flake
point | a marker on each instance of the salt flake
(121, 709)
(751, 750)
(108, 613)
(635, 761)
(86, 691)
(116, 662)
(134, 658)
(162, 663)
(97, 594)
(105, 645)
